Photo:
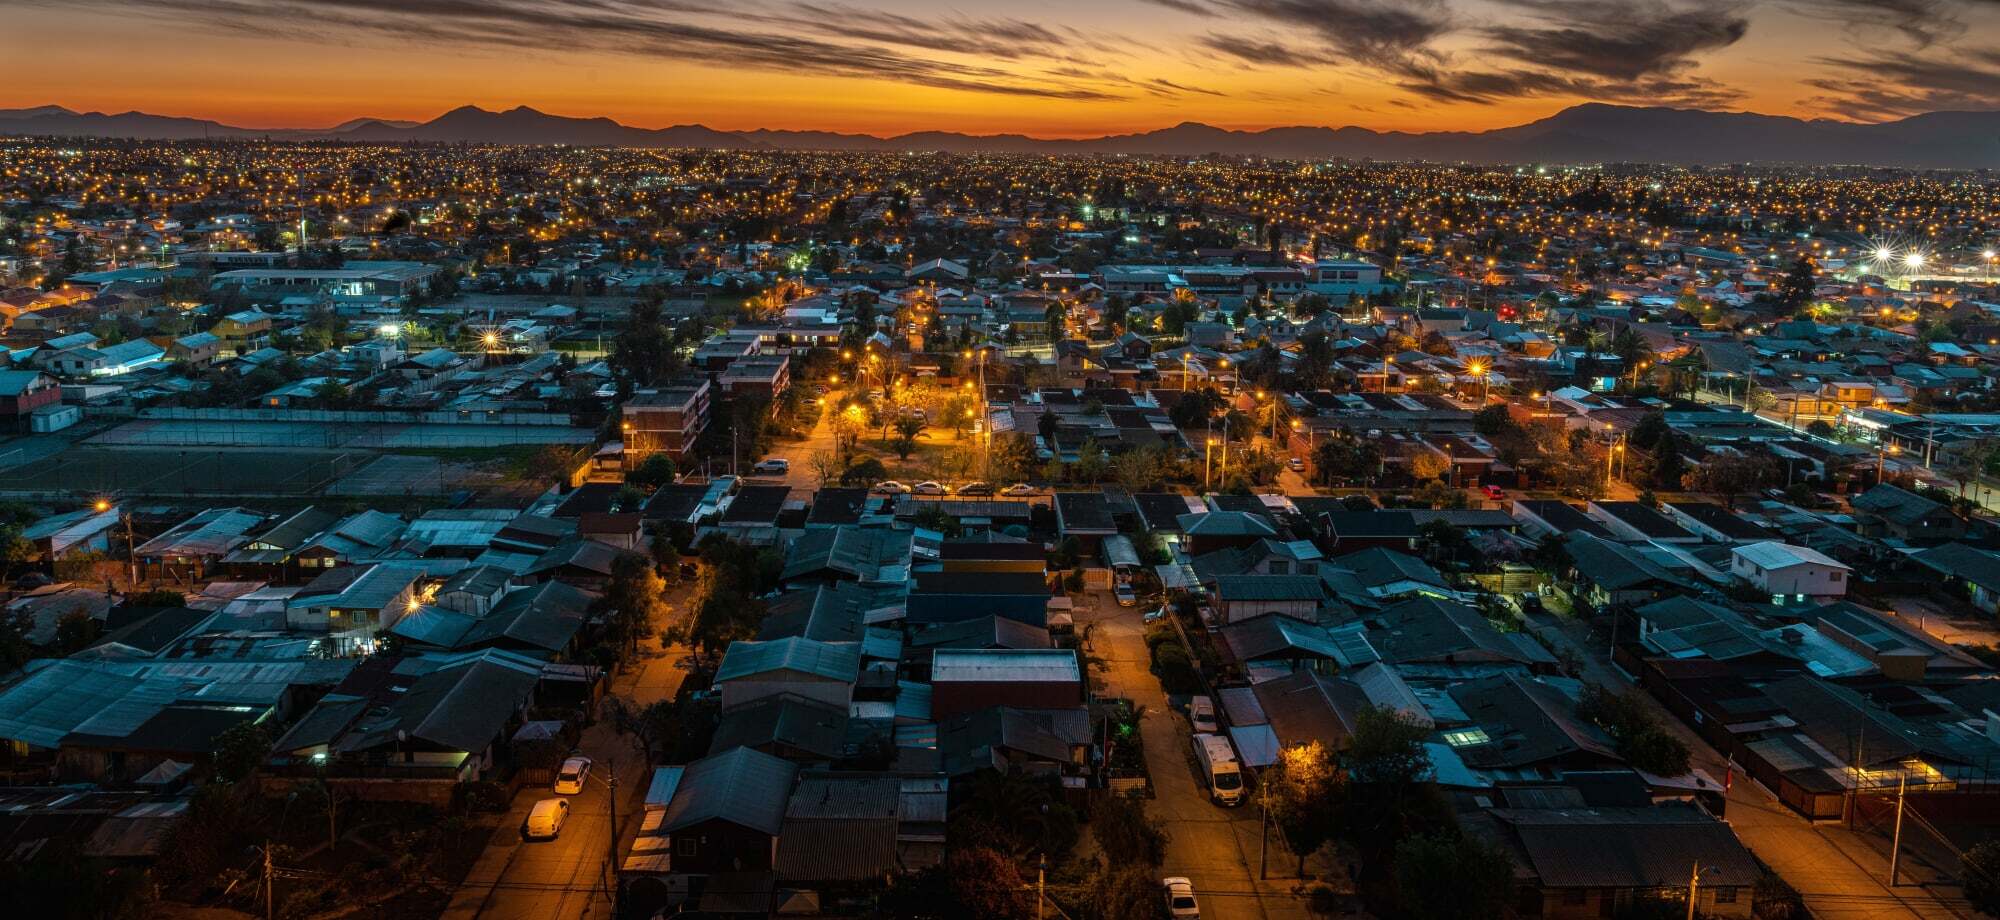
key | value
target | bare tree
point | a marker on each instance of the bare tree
(824, 465)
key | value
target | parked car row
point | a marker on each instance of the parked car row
(546, 818)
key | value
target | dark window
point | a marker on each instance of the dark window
(1725, 894)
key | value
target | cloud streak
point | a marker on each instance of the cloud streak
(645, 28)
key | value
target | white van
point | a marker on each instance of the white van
(1219, 770)
(1201, 715)
(545, 820)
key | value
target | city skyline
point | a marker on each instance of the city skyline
(1042, 69)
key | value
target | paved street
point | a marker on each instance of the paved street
(1839, 873)
(566, 878)
(1215, 847)
(560, 879)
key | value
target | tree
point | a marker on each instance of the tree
(15, 649)
(550, 463)
(656, 727)
(824, 465)
(1343, 458)
(1299, 792)
(644, 351)
(1140, 468)
(1795, 290)
(1982, 877)
(239, 750)
(653, 472)
(1427, 465)
(1441, 540)
(75, 631)
(1314, 368)
(1494, 421)
(1126, 834)
(1730, 475)
(633, 597)
(1449, 875)
(907, 428)
(1127, 892)
(987, 885)
(1196, 407)
(1013, 813)
(1640, 738)
(959, 412)
(868, 470)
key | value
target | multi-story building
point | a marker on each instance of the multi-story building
(666, 420)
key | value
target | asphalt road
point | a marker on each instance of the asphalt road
(1838, 872)
(566, 878)
(1214, 847)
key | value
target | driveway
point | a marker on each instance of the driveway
(1214, 847)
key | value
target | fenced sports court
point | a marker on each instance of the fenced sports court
(86, 470)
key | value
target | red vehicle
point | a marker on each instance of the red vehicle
(1495, 492)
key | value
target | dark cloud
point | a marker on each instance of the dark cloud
(1000, 38)
(1882, 87)
(1194, 7)
(1622, 42)
(645, 28)
(1485, 87)
(1382, 33)
(1923, 22)
(1255, 51)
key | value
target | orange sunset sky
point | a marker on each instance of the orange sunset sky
(1076, 68)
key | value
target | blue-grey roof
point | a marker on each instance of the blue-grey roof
(831, 660)
(742, 786)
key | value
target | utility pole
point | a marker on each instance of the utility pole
(1694, 887)
(270, 898)
(1896, 840)
(1041, 884)
(613, 783)
(1263, 828)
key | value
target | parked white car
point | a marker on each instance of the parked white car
(1181, 904)
(570, 777)
(545, 820)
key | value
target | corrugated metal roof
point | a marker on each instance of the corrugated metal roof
(742, 786)
(1047, 665)
(830, 660)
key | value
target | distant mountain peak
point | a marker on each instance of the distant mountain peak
(1592, 132)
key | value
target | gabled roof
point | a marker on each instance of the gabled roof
(1273, 635)
(865, 554)
(1429, 630)
(1896, 505)
(1613, 566)
(829, 660)
(794, 722)
(1226, 524)
(1252, 588)
(1527, 722)
(1957, 560)
(1772, 556)
(1377, 567)
(742, 786)
(213, 532)
(1635, 847)
(462, 706)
